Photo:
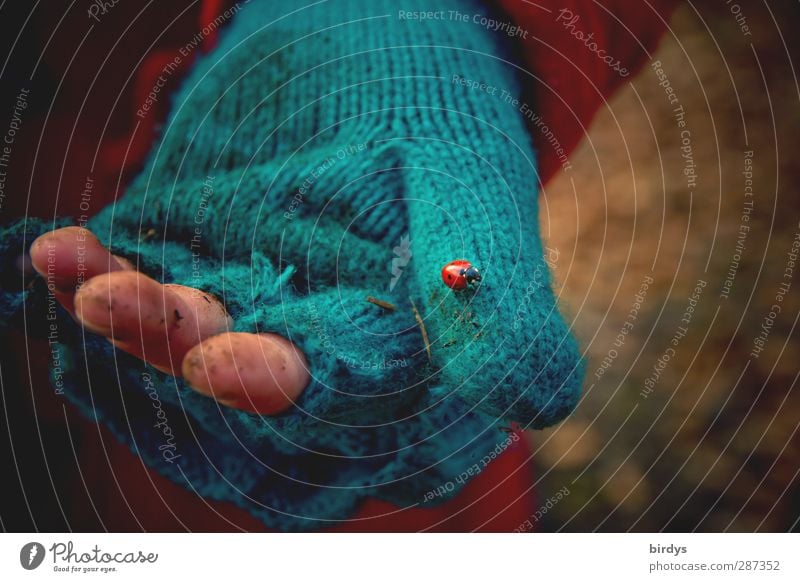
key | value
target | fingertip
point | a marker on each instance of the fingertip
(261, 373)
(297, 371)
(70, 256)
(94, 303)
(91, 307)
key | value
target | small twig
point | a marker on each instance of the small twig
(382, 303)
(422, 329)
(150, 233)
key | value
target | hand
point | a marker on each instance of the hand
(179, 330)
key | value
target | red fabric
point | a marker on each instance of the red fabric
(570, 82)
(115, 491)
(209, 11)
(105, 139)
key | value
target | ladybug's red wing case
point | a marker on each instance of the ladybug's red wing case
(459, 274)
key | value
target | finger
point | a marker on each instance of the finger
(262, 373)
(68, 257)
(158, 323)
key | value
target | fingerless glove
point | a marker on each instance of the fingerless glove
(318, 156)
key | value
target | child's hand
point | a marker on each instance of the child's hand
(179, 330)
(284, 180)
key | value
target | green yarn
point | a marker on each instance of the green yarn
(298, 158)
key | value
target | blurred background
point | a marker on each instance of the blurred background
(669, 248)
(713, 445)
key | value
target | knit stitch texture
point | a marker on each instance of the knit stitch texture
(318, 156)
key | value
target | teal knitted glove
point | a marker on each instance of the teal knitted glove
(315, 158)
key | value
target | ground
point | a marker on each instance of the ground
(703, 435)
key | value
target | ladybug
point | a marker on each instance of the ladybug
(460, 274)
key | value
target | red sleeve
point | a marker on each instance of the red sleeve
(579, 52)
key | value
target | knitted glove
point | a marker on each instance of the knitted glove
(315, 158)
